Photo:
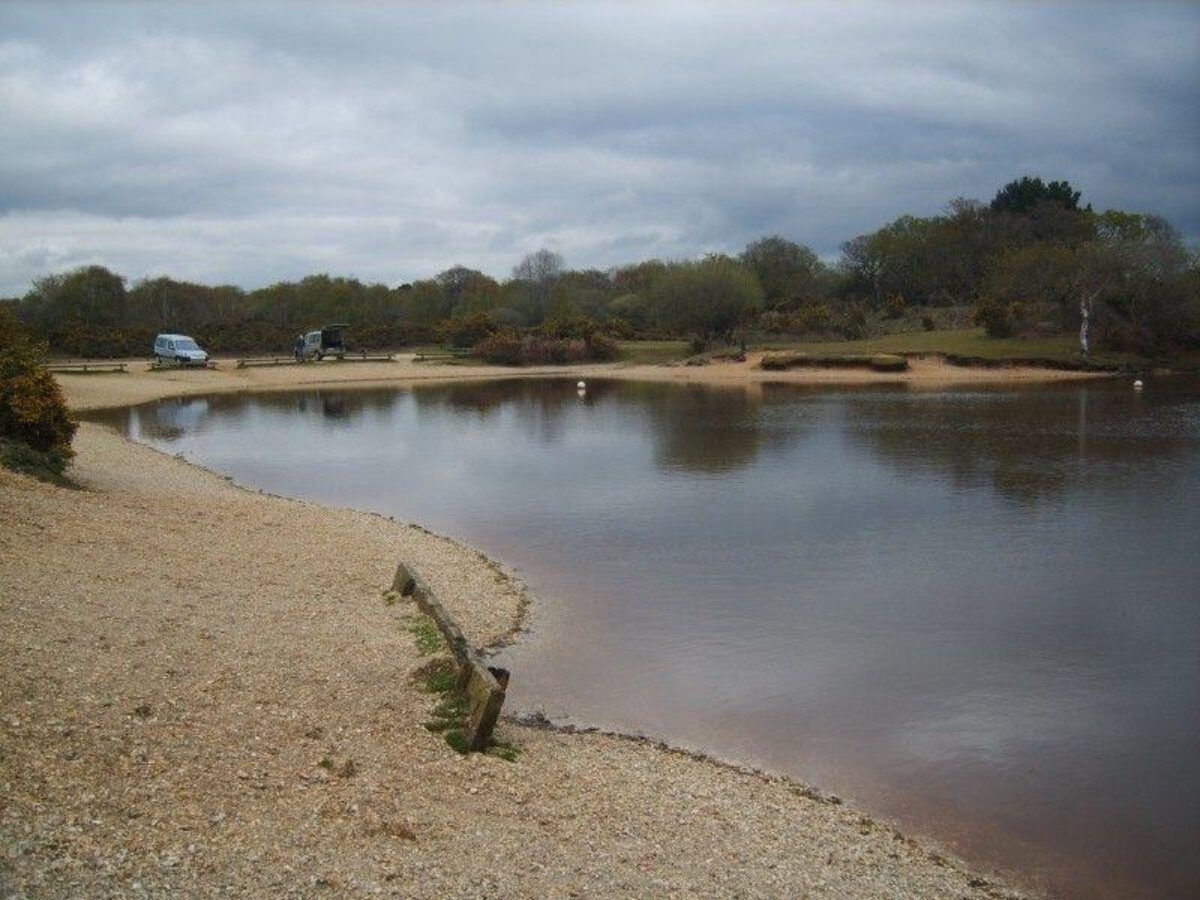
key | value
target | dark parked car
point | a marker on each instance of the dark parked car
(327, 341)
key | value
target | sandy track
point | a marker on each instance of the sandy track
(203, 692)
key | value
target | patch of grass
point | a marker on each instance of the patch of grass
(504, 751)
(880, 362)
(457, 739)
(428, 639)
(653, 353)
(968, 342)
(437, 676)
(449, 715)
(49, 466)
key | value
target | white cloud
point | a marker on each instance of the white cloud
(249, 143)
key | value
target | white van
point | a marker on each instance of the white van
(178, 349)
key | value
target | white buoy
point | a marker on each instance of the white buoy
(581, 385)
(1137, 385)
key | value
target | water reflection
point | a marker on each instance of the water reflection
(974, 611)
(1031, 444)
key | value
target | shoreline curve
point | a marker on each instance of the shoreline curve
(840, 850)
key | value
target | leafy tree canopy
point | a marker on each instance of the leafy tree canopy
(1024, 194)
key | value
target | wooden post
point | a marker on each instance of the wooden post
(483, 686)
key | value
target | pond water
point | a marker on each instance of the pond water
(975, 612)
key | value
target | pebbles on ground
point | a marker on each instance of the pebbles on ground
(203, 691)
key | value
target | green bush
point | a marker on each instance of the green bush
(602, 348)
(851, 324)
(33, 410)
(507, 348)
(540, 351)
(500, 349)
(1000, 319)
(894, 306)
(467, 331)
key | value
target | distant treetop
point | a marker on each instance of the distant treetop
(1022, 195)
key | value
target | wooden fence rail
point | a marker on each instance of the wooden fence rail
(88, 368)
(267, 361)
(481, 684)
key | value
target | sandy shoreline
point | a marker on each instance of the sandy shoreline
(203, 691)
(95, 391)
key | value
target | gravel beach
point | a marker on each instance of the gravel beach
(203, 692)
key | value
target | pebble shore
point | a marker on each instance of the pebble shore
(203, 692)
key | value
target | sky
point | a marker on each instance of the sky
(250, 143)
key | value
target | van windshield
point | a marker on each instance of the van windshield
(186, 344)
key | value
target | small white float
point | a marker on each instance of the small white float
(1137, 385)
(581, 385)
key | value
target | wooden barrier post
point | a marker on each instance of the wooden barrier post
(484, 686)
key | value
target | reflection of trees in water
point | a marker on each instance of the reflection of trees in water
(698, 428)
(711, 429)
(1028, 445)
(167, 420)
(538, 405)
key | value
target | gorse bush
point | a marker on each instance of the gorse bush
(894, 306)
(33, 411)
(500, 349)
(1000, 319)
(509, 348)
(467, 331)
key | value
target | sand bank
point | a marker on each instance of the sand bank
(140, 385)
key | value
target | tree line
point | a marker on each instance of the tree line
(1032, 261)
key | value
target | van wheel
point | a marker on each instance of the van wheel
(320, 356)
(157, 360)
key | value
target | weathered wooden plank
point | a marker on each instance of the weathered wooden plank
(249, 361)
(482, 685)
(96, 368)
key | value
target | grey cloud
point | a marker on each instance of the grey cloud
(249, 143)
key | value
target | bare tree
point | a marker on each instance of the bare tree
(539, 272)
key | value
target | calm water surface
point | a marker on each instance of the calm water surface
(975, 612)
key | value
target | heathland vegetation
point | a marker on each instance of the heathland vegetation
(1032, 265)
(36, 426)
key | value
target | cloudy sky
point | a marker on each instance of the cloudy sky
(249, 143)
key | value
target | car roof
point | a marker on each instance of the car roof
(175, 337)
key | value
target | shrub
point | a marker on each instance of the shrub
(894, 306)
(602, 348)
(1000, 319)
(467, 331)
(507, 348)
(852, 324)
(33, 411)
(812, 318)
(501, 349)
(540, 351)
(620, 329)
(927, 322)
(564, 328)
